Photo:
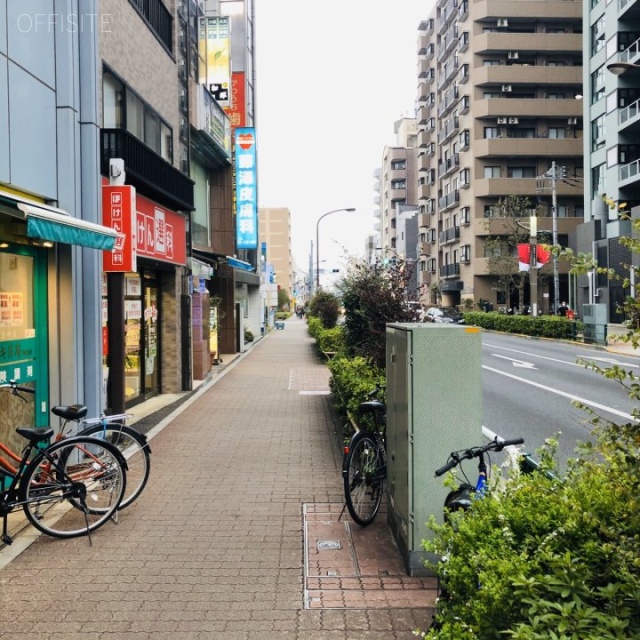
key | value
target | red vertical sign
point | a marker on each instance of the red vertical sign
(118, 212)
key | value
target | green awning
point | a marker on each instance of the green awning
(56, 225)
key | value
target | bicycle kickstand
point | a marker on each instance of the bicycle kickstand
(6, 538)
(344, 507)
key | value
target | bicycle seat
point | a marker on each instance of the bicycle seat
(35, 434)
(371, 406)
(72, 412)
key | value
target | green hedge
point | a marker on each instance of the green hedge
(541, 326)
(352, 379)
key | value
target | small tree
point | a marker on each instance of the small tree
(325, 306)
(284, 302)
(374, 295)
(501, 246)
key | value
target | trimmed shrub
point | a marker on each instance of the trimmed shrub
(548, 558)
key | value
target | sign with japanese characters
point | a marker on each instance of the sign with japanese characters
(246, 188)
(118, 211)
(160, 233)
(237, 110)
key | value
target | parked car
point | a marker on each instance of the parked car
(444, 315)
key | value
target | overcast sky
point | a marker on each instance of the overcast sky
(332, 78)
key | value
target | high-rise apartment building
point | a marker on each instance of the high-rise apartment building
(497, 108)
(612, 155)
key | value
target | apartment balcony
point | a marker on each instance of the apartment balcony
(449, 235)
(423, 91)
(451, 127)
(424, 162)
(448, 166)
(629, 118)
(424, 249)
(532, 9)
(450, 200)
(424, 220)
(524, 75)
(424, 137)
(424, 66)
(629, 174)
(449, 270)
(396, 194)
(502, 187)
(545, 43)
(424, 191)
(528, 147)
(450, 39)
(146, 170)
(423, 42)
(534, 108)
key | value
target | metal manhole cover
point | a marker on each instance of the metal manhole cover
(330, 545)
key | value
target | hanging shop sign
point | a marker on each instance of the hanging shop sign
(246, 188)
(118, 213)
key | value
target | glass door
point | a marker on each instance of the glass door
(151, 336)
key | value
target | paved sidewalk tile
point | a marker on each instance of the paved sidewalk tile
(215, 547)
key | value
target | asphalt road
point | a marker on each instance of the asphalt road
(529, 389)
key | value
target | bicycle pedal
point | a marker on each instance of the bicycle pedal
(7, 539)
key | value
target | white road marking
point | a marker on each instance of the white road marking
(589, 403)
(517, 363)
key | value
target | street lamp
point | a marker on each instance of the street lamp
(618, 68)
(324, 215)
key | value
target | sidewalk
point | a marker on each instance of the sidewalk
(237, 535)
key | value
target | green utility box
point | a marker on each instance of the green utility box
(434, 407)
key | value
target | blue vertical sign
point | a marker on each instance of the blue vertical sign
(246, 188)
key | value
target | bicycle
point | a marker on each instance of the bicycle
(461, 498)
(66, 489)
(364, 464)
(133, 444)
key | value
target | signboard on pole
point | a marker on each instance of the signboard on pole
(118, 212)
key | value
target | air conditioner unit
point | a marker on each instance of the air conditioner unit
(506, 88)
(513, 121)
(573, 120)
(513, 55)
(502, 120)
(503, 22)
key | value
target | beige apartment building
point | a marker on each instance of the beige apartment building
(499, 91)
(396, 184)
(274, 235)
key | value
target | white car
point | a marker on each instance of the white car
(444, 315)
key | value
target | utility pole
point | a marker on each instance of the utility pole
(552, 175)
(533, 264)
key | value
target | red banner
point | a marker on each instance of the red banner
(118, 210)
(524, 256)
(237, 110)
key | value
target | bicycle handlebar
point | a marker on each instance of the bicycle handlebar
(15, 387)
(456, 457)
(378, 388)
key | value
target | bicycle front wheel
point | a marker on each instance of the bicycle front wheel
(73, 487)
(364, 479)
(134, 447)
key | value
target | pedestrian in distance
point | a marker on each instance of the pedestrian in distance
(562, 309)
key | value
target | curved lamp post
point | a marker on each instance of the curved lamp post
(618, 68)
(324, 215)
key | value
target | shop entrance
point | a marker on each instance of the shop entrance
(142, 337)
